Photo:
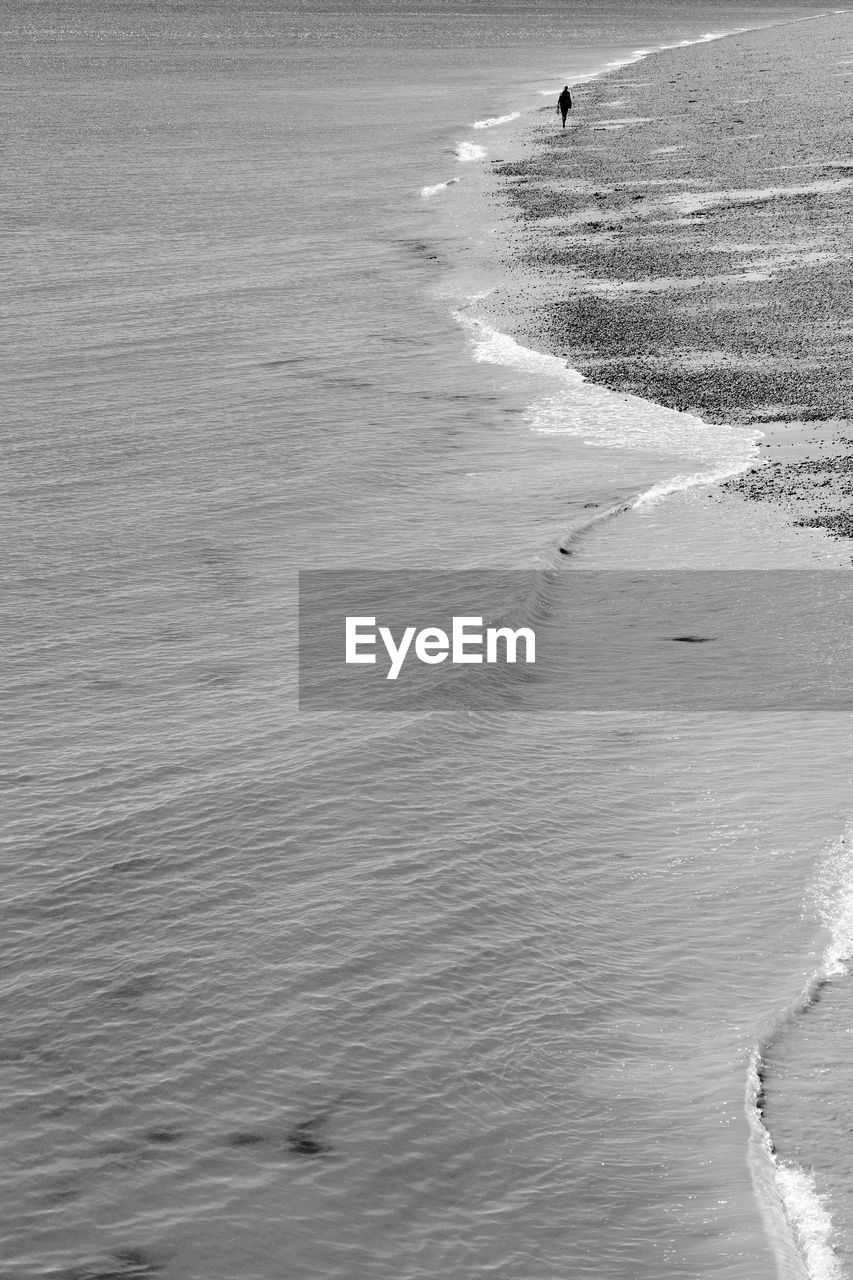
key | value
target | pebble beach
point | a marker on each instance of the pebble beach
(686, 239)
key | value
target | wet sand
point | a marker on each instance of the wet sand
(687, 238)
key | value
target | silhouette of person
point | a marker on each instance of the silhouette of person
(564, 104)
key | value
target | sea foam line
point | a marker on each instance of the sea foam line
(835, 903)
(637, 55)
(467, 151)
(426, 192)
(796, 1213)
(605, 419)
(679, 484)
(491, 121)
(811, 1221)
(763, 1166)
(805, 1211)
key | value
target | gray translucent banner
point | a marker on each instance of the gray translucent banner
(580, 640)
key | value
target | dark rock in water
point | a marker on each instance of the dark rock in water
(136, 1262)
(693, 639)
(163, 1136)
(245, 1138)
(15, 1052)
(134, 988)
(124, 1264)
(421, 250)
(306, 1139)
(62, 1193)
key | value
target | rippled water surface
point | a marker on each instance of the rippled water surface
(311, 994)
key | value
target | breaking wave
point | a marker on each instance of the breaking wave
(426, 192)
(566, 404)
(798, 1213)
(467, 151)
(810, 1221)
(494, 120)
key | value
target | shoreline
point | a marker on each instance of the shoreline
(705, 267)
(700, 301)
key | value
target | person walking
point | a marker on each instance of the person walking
(564, 104)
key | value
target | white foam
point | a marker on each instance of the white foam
(762, 1167)
(835, 902)
(796, 1214)
(709, 35)
(467, 151)
(679, 483)
(494, 120)
(493, 347)
(810, 1221)
(426, 192)
(637, 55)
(807, 1210)
(569, 405)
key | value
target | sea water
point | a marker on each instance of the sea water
(521, 979)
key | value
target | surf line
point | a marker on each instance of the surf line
(638, 55)
(642, 501)
(491, 121)
(797, 1214)
(467, 152)
(604, 418)
(647, 498)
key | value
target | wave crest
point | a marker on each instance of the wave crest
(491, 121)
(810, 1219)
(468, 151)
(426, 192)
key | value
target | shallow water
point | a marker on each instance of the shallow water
(411, 996)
